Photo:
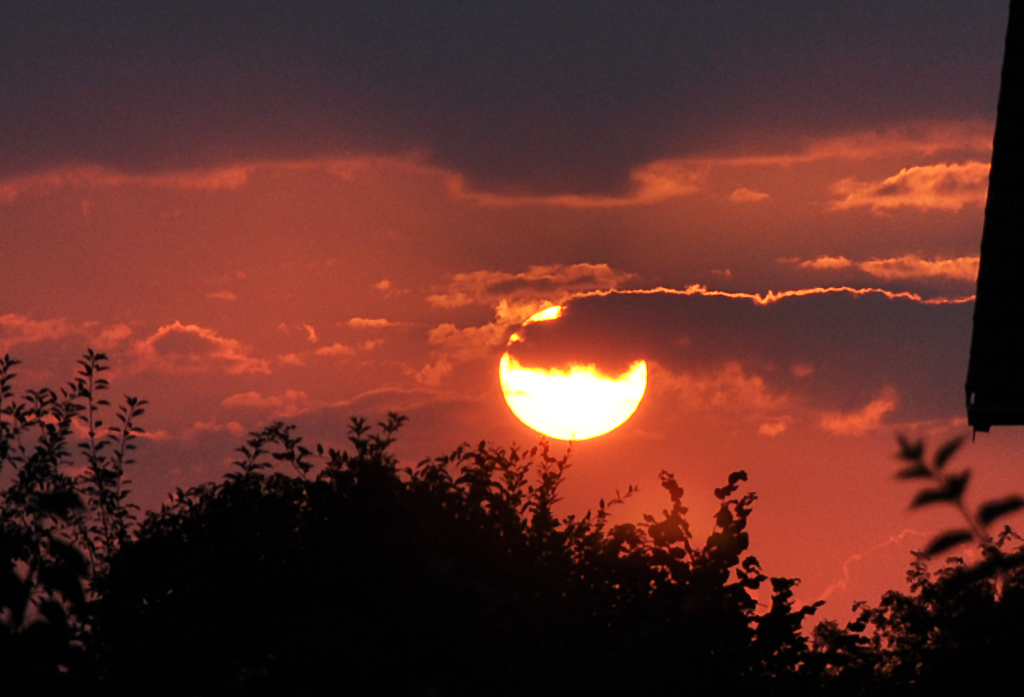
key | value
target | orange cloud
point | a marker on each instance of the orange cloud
(860, 422)
(907, 266)
(223, 295)
(335, 349)
(432, 373)
(188, 348)
(363, 323)
(747, 196)
(292, 359)
(18, 329)
(912, 266)
(825, 262)
(290, 403)
(930, 187)
(111, 336)
(539, 283)
(515, 297)
(774, 428)
(728, 387)
(467, 343)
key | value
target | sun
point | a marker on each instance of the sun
(573, 404)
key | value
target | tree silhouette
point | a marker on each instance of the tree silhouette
(958, 627)
(57, 529)
(453, 577)
(303, 568)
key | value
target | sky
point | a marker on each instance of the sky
(309, 211)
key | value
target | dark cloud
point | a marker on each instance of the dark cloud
(836, 351)
(520, 96)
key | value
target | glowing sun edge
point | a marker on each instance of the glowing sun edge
(577, 404)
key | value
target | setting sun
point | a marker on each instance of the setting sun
(571, 405)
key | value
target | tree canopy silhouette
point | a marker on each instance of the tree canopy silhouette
(304, 568)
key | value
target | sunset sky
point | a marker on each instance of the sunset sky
(308, 211)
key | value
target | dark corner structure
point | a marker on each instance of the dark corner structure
(995, 374)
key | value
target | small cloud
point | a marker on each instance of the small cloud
(250, 399)
(860, 422)
(223, 295)
(432, 375)
(158, 435)
(292, 359)
(929, 187)
(232, 428)
(111, 336)
(290, 403)
(370, 345)
(450, 300)
(729, 387)
(912, 266)
(747, 196)
(826, 262)
(189, 348)
(18, 329)
(363, 323)
(311, 332)
(774, 428)
(467, 343)
(383, 286)
(335, 349)
(724, 273)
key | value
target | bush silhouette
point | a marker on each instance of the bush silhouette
(959, 626)
(56, 530)
(306, 568)
(453, 577)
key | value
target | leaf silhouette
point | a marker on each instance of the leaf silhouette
(947, 540)
(947, 451)
(927, 496)
(917, 470)
(910, 451)
(990, 510)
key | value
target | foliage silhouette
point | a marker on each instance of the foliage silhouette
(307, 567)
(958, 627)
(56, 528)
(453, 577)
(949, 488)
